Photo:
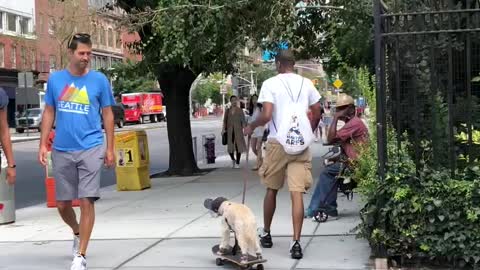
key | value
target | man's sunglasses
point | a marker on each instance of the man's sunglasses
(79, 36)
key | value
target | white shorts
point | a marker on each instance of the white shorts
(258, 132)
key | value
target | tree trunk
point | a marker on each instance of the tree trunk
(175, 85)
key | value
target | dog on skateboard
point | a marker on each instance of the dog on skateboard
(241, 220)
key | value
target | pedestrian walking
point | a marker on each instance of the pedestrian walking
(6, 156)
(77, 98)
(233, 124)
(255, 109)
(286, 99)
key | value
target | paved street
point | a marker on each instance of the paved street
(30, 187)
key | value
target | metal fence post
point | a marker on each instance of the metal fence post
(379, 75)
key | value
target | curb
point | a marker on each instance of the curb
(25, 140)
(28, 139)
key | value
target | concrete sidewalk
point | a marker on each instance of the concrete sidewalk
(167, 227)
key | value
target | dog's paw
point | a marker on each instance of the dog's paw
(223, 250)
(244, 259)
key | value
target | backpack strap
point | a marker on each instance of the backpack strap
(290, 93)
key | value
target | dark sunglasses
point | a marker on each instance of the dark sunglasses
(79, 36)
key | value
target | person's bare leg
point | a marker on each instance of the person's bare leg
(253, 143)
(297, 214)
(87, 219)
(269, 206)
(68, 215)
(260, 154)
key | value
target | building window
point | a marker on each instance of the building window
(51, 26)
(104, 37)
(2, 55)
(40, 25)
(1, 20)
(24, 22)
(53, 62)
(119, 40)
(43, 64)
(13, 57)
(93, 63)
(23, 57)
(12, 22)
(34, 60)
(110, 38)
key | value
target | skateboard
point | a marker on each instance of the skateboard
(235, 259)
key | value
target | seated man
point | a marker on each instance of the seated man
(353, 132)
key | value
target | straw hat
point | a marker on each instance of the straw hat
(344, 100)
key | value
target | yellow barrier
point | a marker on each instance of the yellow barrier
(133, 160)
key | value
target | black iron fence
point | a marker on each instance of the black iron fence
(427, 61)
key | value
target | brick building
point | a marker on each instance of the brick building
(17, 45)
(34, 35)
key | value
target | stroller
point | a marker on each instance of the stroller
(343, 182)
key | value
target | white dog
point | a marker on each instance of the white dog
(240, 219)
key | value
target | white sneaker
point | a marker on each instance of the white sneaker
(76, 245)
(79, 263)
(233, 164)
(237, 166)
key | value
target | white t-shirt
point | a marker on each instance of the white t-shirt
(274, 90)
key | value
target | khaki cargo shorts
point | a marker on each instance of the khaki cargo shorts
(278, 166)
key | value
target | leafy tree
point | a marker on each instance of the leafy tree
(181, 39)
(341, 33)
(74, 18)
(205, 91)
(129, 77)
(263, 74)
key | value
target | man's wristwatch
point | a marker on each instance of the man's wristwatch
(12, 166)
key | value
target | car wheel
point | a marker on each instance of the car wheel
(153, 118)
(120, 123)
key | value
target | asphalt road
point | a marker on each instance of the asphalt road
(30, 186)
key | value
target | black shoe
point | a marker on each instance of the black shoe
(266, 240)
(296, 251)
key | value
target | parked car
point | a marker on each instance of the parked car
(118, 115)
(32, 116)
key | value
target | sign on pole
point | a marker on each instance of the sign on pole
(223, 89)
(338, 83)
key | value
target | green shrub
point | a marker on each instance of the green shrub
(424, 214)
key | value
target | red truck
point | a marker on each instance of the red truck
(140, 106)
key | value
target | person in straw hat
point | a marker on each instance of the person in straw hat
(353, 132)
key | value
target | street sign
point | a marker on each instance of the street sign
(338, 83)
(25, 80)
(223, 89)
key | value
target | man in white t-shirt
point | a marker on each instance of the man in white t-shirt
(278, 166)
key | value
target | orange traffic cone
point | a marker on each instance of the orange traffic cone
(49, 179)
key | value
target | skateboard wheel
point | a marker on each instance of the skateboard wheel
(260, 267)
(321, 217)
(219, 262)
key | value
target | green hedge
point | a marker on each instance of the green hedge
(427, 214)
